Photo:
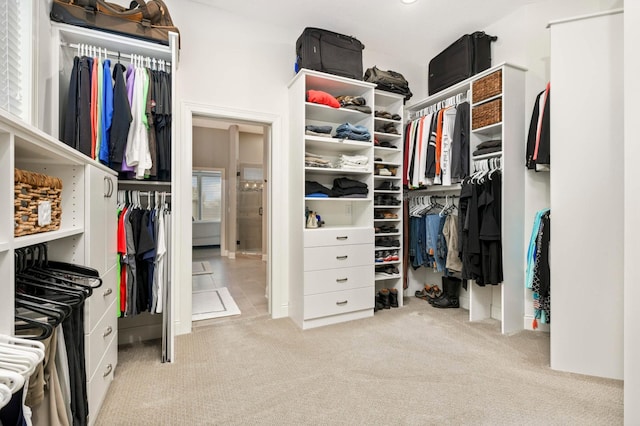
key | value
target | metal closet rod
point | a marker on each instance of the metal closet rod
(114, 55)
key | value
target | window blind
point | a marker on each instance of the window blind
(11, 62)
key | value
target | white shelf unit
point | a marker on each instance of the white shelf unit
(504, 302)
(390, 158)
(332, 273)
(81, 239)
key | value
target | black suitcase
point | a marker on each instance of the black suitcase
(329, 52)
(467, 56)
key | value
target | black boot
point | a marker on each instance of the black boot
(393, 297)
(378, 306)
(384, 298)
(450, 294)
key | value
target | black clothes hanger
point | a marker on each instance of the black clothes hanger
(31, 324)
(54, 316)
(35, 260)
(58, 304)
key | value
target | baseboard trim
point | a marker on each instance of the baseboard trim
(528, 325)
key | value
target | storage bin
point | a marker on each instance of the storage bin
(31, 192)
(487, 86)
(486, 114)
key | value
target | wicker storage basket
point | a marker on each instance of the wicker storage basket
(486, 114)
(487, 86)
(30, 190)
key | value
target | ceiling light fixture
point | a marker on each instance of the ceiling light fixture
(408, 1)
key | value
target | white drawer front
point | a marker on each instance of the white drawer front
(98, 340)
(338, 279)
(98, 385)
(344, 256)
(332, 237)
(338, 302)
(102, 297)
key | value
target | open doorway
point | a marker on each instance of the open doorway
(229, 244)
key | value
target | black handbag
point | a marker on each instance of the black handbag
(389, 81)
(326, 51)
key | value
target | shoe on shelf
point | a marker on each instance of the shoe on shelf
(390, 215)
(385, 172)
(393, 297)
(384, 186)
(384, 299)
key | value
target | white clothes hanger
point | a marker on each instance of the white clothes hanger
(5, 395)
(11, 380)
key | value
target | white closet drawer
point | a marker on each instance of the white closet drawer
(102, 298)
(338, 302)
(97, 342)
(332, 237)
(345, 256)
(98, 385)
(338, 279)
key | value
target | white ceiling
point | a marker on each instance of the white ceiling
(381, 25)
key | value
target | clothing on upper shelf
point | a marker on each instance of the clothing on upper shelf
(315, 160)
(352, 131)
(345, 187)
(539, 137)
(312, 130)
(538, 274)
(320, 97)
(357, 103)
(436, 146)
(488, 147)
(353, 162)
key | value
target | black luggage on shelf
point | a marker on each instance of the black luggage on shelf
(329, 52)
(389, 81)
(467, 56)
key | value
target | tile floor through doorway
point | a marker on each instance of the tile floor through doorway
(245, 277)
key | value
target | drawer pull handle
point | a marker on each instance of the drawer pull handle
(341, 257)
(342, 280)
(107, 292)
(344, 302)
(107, 332)
(342, 238)
(108, 371)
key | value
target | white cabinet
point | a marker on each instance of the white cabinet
(587, 196)
(332, 271)
(101, 211)
(504, 302)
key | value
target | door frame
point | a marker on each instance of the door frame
(277, 277)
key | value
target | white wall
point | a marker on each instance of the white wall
(250, 148)
(631, 208)
(210, 148)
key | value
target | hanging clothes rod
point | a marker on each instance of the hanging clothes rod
(450, 101)
(112, 54)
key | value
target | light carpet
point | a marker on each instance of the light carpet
(201, 267)
(210, 302)
(415, 365)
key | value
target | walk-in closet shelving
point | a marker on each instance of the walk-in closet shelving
(388, 155)
(504, 302)
(95, 197)
(332, 274)
(81, 239)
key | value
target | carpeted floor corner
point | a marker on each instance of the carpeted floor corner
(411, 366)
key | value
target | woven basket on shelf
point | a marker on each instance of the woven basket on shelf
(487, 87)
(486, 114)
(30, 190)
